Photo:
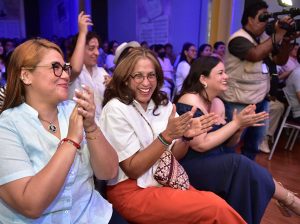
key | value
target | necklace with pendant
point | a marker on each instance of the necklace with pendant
(51, 127)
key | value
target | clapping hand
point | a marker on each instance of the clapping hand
(247, 117)
(75, 131)
(86, 106)
(200, 125)
(177, 126)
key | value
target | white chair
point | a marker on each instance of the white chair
(287, 124)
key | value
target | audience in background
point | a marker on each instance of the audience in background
(1, 49)
(169, 81)
(285, 70)
(187, 56)
(110, 65)
(219, 50)
(145, 44)
(50, 147)
(204, 50)
(293, 92)
(2, 70)
(103, 51)
(169, 53)
(123, 49)
(139, 121)
(84, 63)
(9, 46)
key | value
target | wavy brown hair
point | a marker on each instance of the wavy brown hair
(28, 54)
(118, 86)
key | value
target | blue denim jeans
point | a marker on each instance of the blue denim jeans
(252, 136)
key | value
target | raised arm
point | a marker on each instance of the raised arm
(84, 21)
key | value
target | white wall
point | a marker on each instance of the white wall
(187, 22)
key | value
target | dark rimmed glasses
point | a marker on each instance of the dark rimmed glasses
(139, 77)
(57, 68)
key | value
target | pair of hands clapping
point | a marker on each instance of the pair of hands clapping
(83, 115)
(186, 125)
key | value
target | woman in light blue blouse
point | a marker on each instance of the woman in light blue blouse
(50, 148)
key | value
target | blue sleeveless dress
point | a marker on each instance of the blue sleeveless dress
(244, 184)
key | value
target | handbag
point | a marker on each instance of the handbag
(170, 173)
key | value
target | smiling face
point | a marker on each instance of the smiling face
(143, 90)
(217, 79)
(91, 53)
(42, 84)
(191, 53)
(221, 50)
(206, 51)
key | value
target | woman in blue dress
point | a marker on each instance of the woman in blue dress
(245, 185)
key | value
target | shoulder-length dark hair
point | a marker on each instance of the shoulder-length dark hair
(90, 35)
(28, 54)
(185, 47)
(192, 84)
(201, 49)
(118, 86)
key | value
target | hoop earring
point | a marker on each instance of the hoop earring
(204, 85)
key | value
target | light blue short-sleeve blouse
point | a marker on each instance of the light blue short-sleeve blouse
(26, 147)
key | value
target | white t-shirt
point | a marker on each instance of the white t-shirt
(128, 132)
(95, 81)
(182, 72)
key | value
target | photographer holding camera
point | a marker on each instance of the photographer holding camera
(249, 78)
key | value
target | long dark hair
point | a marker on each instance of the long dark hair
(201, 66)
(185, 47)
(118, 86)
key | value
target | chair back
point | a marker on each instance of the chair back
(288, 109)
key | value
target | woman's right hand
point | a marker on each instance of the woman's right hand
(83, 22)
(75, 131)
(200, 125)
(177, 126)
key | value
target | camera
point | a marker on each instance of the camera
(292, 12)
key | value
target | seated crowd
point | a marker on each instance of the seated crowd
(152, 125)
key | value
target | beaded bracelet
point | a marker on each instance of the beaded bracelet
(163, 140)
(70, 141)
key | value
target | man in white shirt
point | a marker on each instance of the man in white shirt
(84, 63)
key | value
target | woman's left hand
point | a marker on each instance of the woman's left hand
(86, 106)
(200, 125)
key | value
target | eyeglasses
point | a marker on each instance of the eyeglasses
(139, 77)
(57, 68)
